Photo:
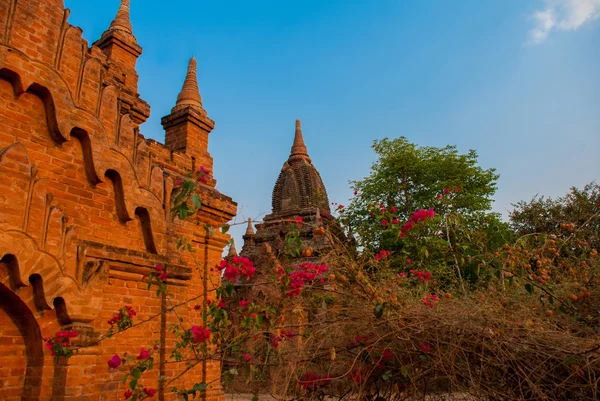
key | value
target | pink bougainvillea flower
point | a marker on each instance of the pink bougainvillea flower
(127, 394)
(200, 334)
(395, 221)
(197, 307)
(114, 362)
(299, 219)
(149, 392)
(144, 354)
(439, 196)
(130, 311)
(158, 268)
(425, 347)
(384, 222)
(408, 261)
(221, 305)
(244, 303)
(355, 192)
(247, 357)
(430, 300)
(313, 381)
(393, 209)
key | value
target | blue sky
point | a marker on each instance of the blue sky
(516, 80)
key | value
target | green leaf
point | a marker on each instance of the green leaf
(196, 201)
(405, 370)
(378, 311)
(199, 386)
(133, 384)
(225, 228)
(209, 230)
(529, 288)
(136, 373)
(387, 375)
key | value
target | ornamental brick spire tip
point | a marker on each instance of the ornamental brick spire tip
(122, 21)
(232, 251)
(299, 150)
(250, 228)
(190, 93)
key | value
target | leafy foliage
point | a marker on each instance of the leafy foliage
(409, 177)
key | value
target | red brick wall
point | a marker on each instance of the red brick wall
(84, 213)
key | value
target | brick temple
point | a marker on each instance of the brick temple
(85, 206)
(298, 192)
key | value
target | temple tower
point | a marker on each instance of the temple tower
(298, 192)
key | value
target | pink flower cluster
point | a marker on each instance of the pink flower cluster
(302, 274)
(430, 300)
(127, 311)
(148, 392)
(422, 275)
(159, 271)
(144, 354)
(386, 356)
(283, 335)
(383, 254)
(202, 175)
(418, 216)
(448, 191)
(200, 334)
(238, 267)
(60, 340)
(312, 381)
(114, 362)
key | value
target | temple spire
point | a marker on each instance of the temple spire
(122, 21)
(232, 250)
(250, 228)
(299, 150)
(190, 93)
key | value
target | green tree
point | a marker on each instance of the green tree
(410, 177)
(577, 210)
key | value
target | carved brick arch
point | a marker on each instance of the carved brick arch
(146, 227)
(25, 356)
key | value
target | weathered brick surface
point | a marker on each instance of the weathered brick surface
(85, 208)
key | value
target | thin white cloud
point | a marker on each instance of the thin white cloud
(562, 15)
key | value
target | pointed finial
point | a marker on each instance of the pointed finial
(299, 148)
(250, 228)
(190, 94)
(122, 21)
(232, 250)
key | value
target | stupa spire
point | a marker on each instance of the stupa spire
(122, 21)
(299, 150)
(232, 250)
(250, 228)
(190, 93)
